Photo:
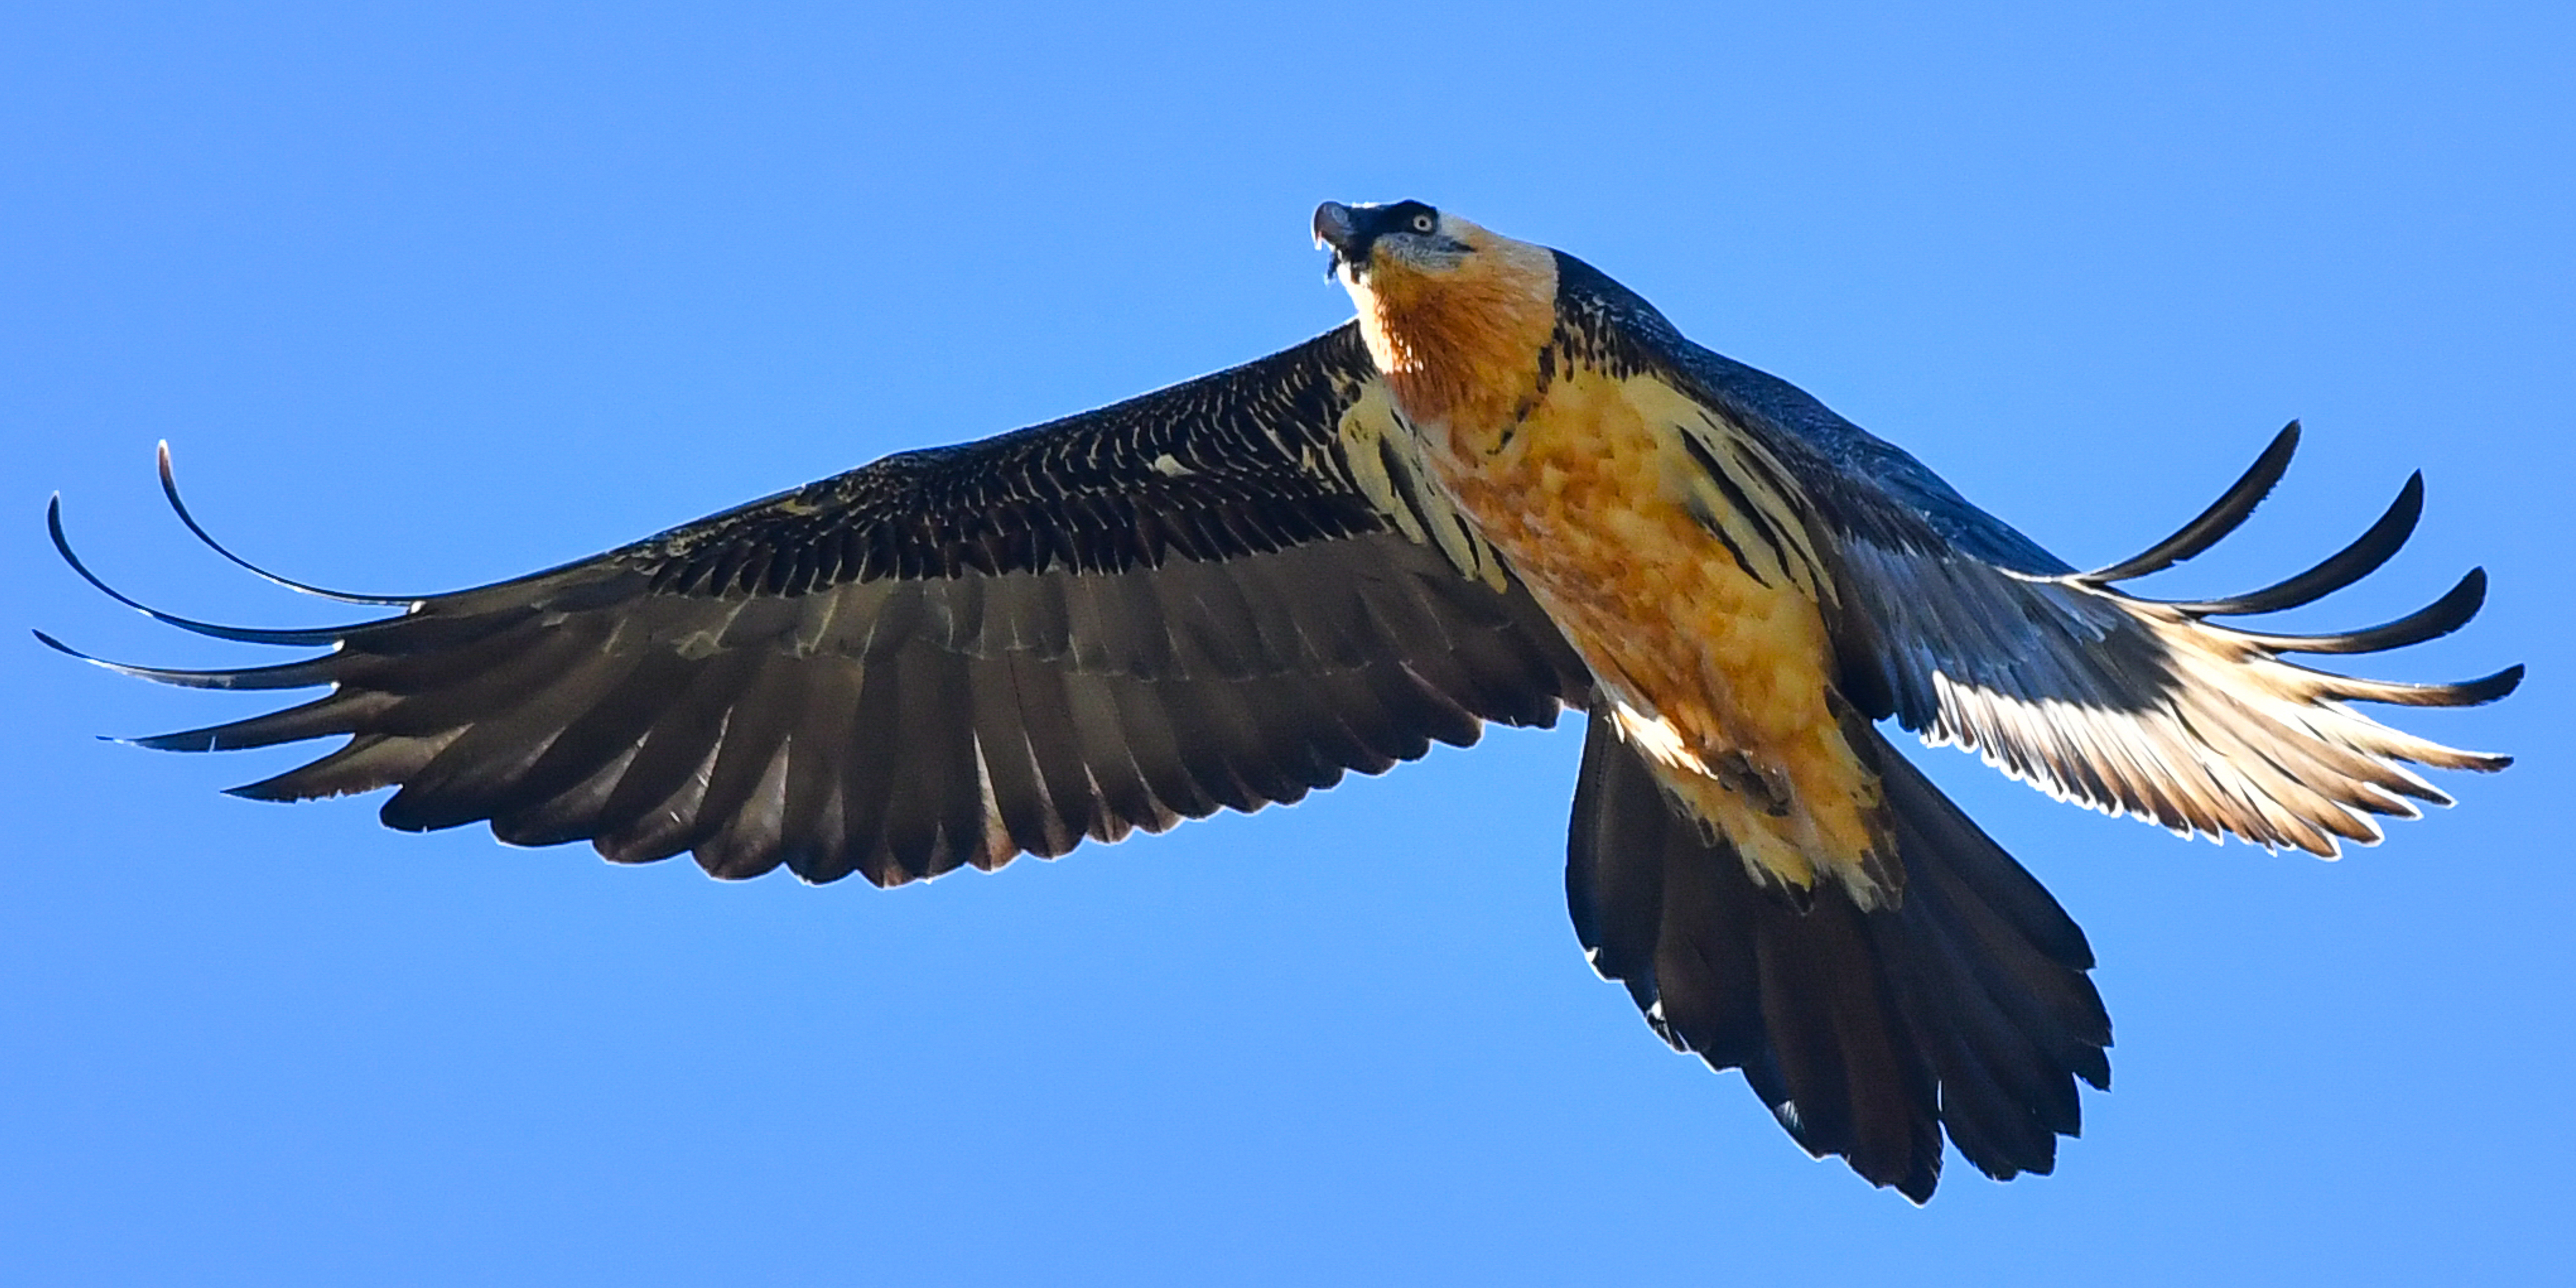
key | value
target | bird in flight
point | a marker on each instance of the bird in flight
(1508, 488)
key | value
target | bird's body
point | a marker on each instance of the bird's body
(1665, 544)
(1507, 489)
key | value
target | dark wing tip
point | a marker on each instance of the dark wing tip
(286, 675)
(2222, 517)
(2465, 693)
(266, 791)
(2482, 691)
(2364, 556)
(314, 637)
(170, 490)
(2433, 621)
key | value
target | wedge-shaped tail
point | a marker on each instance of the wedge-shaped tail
(1964, 1010)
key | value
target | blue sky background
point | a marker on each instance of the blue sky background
(427, 296)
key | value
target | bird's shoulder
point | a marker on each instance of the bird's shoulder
(1861, 486)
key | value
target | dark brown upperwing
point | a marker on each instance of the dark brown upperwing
(1112, 621)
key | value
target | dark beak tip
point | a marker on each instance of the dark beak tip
(1334, 225)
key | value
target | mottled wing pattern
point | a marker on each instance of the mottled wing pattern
(1224, 594)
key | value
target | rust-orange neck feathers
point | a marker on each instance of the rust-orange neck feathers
(1459, 345)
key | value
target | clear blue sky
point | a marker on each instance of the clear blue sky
(433, 297)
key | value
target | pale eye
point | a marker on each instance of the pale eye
(1424, 223)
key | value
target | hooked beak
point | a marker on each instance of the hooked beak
(1338, 227)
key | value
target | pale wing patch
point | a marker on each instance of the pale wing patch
(1386, 465)
(2234, 741)
(2152, 709)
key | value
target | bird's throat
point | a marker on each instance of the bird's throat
(1461, 348)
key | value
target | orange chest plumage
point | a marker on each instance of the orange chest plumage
(1682, 571)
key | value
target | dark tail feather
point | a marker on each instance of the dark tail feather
(1965, 1008)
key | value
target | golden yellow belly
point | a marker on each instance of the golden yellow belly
(1700, 619)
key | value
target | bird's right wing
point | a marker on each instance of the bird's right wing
(1226, 593)
(1970, 634)
(2131, 705)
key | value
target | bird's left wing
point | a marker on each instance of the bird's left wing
(1226, 593)
(1970, 634)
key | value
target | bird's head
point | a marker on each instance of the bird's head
(1404, 237)
(1448, 308)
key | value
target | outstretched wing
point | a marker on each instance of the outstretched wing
(1226, 593)
(1970, 634)
(2156, 708)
